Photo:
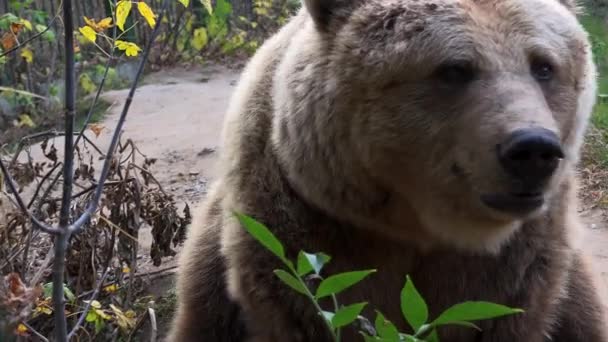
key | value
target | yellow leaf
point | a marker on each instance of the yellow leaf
(122, 12)
(111, 288)
(126, 269)
(184, 2)
(89, 22)
(21, 330)
(130, 49)
(100, 26)
(89, 33)
(124, 320)
(97, 129)
(25, 120)
(105, 23)
(102, 314)
(28, 55)
(27, 24)
(207, 5)
(147, 13)
(95, 304)
(199, 38)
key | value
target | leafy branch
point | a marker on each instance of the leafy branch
(413, 306)
(68, 226)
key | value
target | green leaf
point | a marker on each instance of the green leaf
(186, 3)
(473, 311)
(68, 293)
(413, 307)
(99, 324)
(385, 329)
(47, 290)
(368, 338)
(433, 337)
(263, 235)
(311, 262)
(340, 282)
(91, 316)
(410, 338)
(346, 315)
(291, 281)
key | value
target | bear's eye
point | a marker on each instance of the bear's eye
(542, 70)
(456, 72)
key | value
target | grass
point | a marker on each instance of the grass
(83, 107)
(594, 168)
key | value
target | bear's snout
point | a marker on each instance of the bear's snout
(530, 157)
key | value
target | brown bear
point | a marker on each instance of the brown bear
(431, 138)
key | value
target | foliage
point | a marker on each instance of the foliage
(132, 199)
(413, 306)
(112, 204)
(595, 152)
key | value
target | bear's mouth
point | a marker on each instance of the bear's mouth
(514, 203)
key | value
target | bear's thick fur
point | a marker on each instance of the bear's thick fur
(397, 135)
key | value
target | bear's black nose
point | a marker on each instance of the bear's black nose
(531, 156)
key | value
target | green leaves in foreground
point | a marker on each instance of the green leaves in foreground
(263, 235)
(311, 262)
(413, 306)
(346, 315)
(340, 282)
(473, 311)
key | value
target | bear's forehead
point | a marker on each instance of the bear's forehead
(477, 28)
(506, 17)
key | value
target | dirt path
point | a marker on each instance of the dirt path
(177, 116)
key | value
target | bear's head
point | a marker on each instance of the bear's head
(441, 120)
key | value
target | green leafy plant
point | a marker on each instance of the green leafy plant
(413, 306)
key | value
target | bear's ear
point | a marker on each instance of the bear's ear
(324, 12)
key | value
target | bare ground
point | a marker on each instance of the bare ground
(176, 117)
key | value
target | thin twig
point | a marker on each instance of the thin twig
(13, 188)
(39, 335)
(78, 225)
(153, 327)
(42, 181)
(87, 120)
(83, 315)
(51, 133)
(17, 47)
(47, 261)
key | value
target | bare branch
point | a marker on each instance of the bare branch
(52, 133)
(39, 187)
(153, 327)
(37, 223)
(39, 335)
(20, 45)
(87, 120)
(78, 225)
(61, 240)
